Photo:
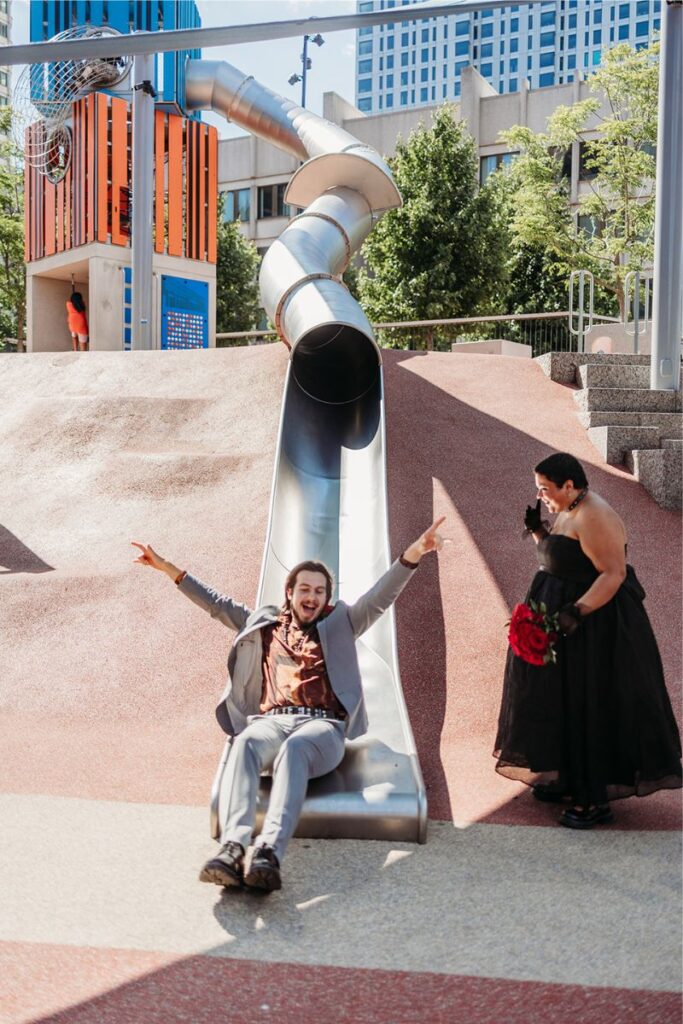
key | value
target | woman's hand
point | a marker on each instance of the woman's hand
(532, 517)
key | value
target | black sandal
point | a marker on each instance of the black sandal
(550, 792)
(587, 817)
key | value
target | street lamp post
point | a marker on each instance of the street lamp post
(305, 65)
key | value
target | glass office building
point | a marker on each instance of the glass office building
(415, 62)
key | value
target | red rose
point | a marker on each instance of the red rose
(528, 639)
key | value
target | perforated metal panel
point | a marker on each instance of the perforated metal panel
(184, 313)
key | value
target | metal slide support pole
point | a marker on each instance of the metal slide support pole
(143, 192)
(667, 304)
(304, 69)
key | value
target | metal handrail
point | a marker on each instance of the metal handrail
(455, 321)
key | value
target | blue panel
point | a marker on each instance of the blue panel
(96, 12)
(36, 21)
(118, 16)
(184, 313)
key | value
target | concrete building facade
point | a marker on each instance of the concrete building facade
(252, 174)
(5, 39)
(414, 63)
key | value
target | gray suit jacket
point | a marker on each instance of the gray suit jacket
(338, 632)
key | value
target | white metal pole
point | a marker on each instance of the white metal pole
(143, 193)
(667, 305)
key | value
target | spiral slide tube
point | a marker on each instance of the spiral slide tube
(329, 486)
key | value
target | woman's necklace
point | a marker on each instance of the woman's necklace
(578, 499)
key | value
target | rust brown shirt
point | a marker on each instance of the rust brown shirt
(294, 672)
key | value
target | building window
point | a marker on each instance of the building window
(584, 156)
(486, 31)
(514, 45)
(597, 37)
(365, 85)
(461, 49)
(424, 55)
(514, 24)
(3, 78)
(572, 21)
(547, 79)
(547, 18)
(237, 205)
(271, 201)
(424, 94)
(390, 82)
(404, 78)
(404, 99)
(642, 8)
(547, 39)
(596, 57)
(486, 70)
(460, 65)
(462, 28)
(365, 105)
(642, 28)
(547, 59)
(405, 36)
(571, 43)
(489, 164)
(513, 85)
(514, 63)
(365, 31)
(390, 62)
(424, 75)
(4, 29)
(456, 88)
(623, 31)
(364, 67)
(487, 50)
(424, 38)
(390, 101)
(364, 47)
(624, 11)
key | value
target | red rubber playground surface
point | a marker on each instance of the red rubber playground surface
(109, 679)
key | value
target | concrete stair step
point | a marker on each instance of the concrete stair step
(673, 442)
(660, 471)
(562, 366)
(614, 441)
(613, 375)
(669, 424)
(627, 400)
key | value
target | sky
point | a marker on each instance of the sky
(270, 62)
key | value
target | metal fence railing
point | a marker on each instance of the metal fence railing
(543, 332)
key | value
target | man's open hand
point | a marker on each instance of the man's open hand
(430, 540)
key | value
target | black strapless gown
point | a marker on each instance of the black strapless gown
(599, 720)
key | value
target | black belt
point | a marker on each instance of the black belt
(309, 712)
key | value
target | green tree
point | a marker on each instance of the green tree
(620, 203)
(441, 255)
(12, 266)
(237, 300)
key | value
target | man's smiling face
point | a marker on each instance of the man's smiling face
(308, 596)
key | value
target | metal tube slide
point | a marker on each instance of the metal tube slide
(329, 485)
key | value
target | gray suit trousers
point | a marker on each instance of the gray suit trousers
(296, 748)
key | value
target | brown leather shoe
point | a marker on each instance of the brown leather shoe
(227, 868)
(264, 870)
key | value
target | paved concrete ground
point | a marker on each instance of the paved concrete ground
(108, 741)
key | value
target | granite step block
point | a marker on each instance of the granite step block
(672, 442)
(660, 471)
(562, 366)
(627, 400)
(613, 442)
(670, 424)
(613, 375)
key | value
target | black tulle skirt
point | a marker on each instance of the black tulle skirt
(599, 721)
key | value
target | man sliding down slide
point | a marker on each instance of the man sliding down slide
(293, 693)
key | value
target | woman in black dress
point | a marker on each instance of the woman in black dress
(597, 723)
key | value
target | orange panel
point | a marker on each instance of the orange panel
(159, 168)
(102, 167)
(91, 184)
(212, 203)
(201, 166)
(49, 228)
(81, 211)
(60, 216)
(189, 189)
(68, 240)
(175, 185)
(119, 166)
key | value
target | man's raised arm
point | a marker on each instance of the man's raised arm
(368, 608)
(220, 607)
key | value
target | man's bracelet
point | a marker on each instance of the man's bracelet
(180, 577)
(406, 564)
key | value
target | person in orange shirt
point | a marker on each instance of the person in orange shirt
(78, 323)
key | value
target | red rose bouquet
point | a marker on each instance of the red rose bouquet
(532, 633)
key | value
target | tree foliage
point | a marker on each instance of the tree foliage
(237, 300)
(441, 254)
(620, 202)
(12, 266)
